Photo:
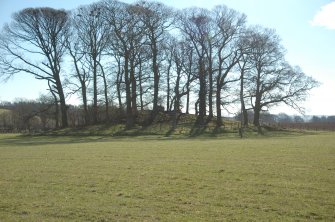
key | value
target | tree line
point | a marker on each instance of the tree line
(148, 56)
(40, 115)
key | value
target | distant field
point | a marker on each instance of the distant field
(287, 178)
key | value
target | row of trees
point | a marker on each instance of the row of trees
(147, 55)
(40, 115)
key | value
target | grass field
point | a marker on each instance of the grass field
(3, 111)
(287, 178)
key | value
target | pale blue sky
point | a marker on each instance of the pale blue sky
(309, 45)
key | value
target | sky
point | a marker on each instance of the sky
(306, 28)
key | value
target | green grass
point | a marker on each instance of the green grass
(162, 126)
(96, 178)
(4, 111)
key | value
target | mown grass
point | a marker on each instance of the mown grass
(94, 178)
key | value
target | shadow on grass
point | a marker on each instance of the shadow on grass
(174, 124)
(201, 126)
(135, 136)
(28, 140)
(159, 132)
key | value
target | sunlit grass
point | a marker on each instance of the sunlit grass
(95, 178)
(4, 111)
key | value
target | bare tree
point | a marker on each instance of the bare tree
(273, 81)
(243, 67)
(94, 33)
(157, 19)
(117, 60)
(128, 34)
(131, 48)
(190, 68)
(169, 61)
(181, 78)
(82, 67)
(195, 25)
(40, 34)
(229, 24)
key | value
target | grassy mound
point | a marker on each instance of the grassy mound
(165, 126)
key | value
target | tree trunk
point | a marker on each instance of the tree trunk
(257, 107)
(202, 94)
(140, 84)
(56, 113)
(256, 117)
(133, 88)
(177, 93)
(244, 113)
(63, 107)
(168, 86)
(130, 120)
(210, 88)
(257, 110)
(56, 104)
(196, 107)
(105, 93)
(95, 93)
(84, 97)
(118, 85)
(218, 104)
(156, 78)
(177, 100)
(188, 83)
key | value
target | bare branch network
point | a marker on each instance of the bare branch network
(146, 55)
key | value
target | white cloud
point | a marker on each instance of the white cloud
(325, 17)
